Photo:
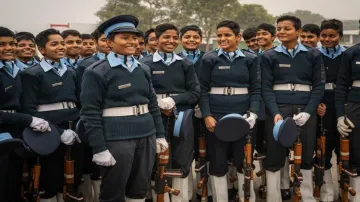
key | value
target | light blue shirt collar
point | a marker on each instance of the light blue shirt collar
(238, 53)
(15, 69)
(298, 48)
(47, 67)
(193, 56)
(157, 57)
(100, 55)
(22, 66)
(332, 52)
(115, 61)
(71, 62)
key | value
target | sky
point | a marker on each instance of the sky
(32, 15)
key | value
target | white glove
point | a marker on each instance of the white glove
(342, 127)
(104, 158)
(38, 124)
(161, 145)
(251, 119)
(68, 137)
(301, 118)
(197, 112)
(166, 103)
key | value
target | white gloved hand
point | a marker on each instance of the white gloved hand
(104, 158)
(342, 127)
(161, 145)
(301, 118)
(166, 103)
(251, 119)
(197, 112)
(68, 137)
(38, 124)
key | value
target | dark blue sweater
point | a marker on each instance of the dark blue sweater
(243, 72)
(305, 68)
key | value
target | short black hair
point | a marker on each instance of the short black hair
(24, 37)
(43, 37)
(334, 24)
(141, 34)
(267, 27)
(249, 33)
(96, 34)
(86, 36)
(28, 34)
(71, 32)
(234, 26)
(5, 32)
(194, 28)
(160, 29)
(147, 33)
(295, 20)
(312, 28)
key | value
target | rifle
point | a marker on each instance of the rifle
(295, 168)
(344, 167)
(319, 168)
(36, 180)
(69, 192)
(202, 166)
(248, 170)
(161, 185)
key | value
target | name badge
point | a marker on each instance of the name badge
(57, 84)
(285, 65)
(8, 88)
(358, 62)
(224, 67)
(124, 86)
(158, 72)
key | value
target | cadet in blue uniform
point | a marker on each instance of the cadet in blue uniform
(309, 35)
(25, 51)
(140, 47)
(292, 77)
(330, 36)
(50, 92)
(191, 38)
(249, 36)
(176, 85)
(121, 115)
(228, 67)
(347, 91)
(73, 43)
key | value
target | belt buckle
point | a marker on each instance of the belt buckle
(292, 86)
(229, 91)
(136, 110)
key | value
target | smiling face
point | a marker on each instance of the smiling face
(87, 47)
(168, 41)
(226, 39)
(102, 45)
(152, 44)
(73, 46)
(191, 40)
(25, 50)
(123, 43)
(140, 47)
(7, 48)
(54, 49)
(329, 38)
(286, 32)
(264, 39)
(309, 39)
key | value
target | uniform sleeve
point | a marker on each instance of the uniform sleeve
(79, 74)
(154, 109)
(255, 86)
(343, 83)
(267, 81)
(318, 84)
(205, 77)
(192, 94)
(29, 99)
(91, 99)
(18, 119)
